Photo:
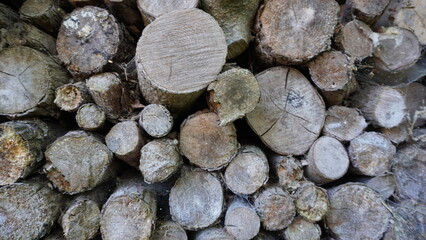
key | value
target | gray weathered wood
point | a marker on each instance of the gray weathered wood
(156, 120)
(213, 233)
(236, 19)
(415, 98)
(169, 230)
(287, 169)
(28, 210)
(275, 208)
(311, 202)
(343, 123)
(241, 220)
(327, 160)
(90, 117)
(91, 40)
(248, 171)
(44, 14)
(235, 93)
(337, 97)
(151, 10)
(366, 11)
(205, 143)
(29, 79)
(125, 140)
(371, 154)
(396, 134)
(354, 206)
(78, 161)
(383, 184)
(174, 71)
(290, 113)
(412, 17)
(197, 199)
(70, 97)
(305, 26)
(354, 39)
(300, 229)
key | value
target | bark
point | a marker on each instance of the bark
(290, 113)
(160, 159)
(196, 200)
(205, 143)
(29, 79)
(90, 117)
(288, 171)
(127, 12)
(235, 93)
(354, 39)
(90, 40)
(327, 160)
(44, 14)
(300, 229)
(412, 17)
(109, 93)
(396, 134)
(166, 69)
(415, 98)
(129, 213)
(78, 162)
(125, 140)
(241, 220)
(156, 120)
(343, 123)
(70, 97)
(3, 41)
(371, 154)
(248, 171)
(21, 147)
(383, 184)
(383, 106)
(354, 206)
(311, 202)
(275, 208)
(366, 11)
(23, 34)
(7, 16)
(151, 10)
(305, 26)
(213, 233)
(169, 230)
(236, 20)
(28, 210)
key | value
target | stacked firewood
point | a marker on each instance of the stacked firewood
(212, 119)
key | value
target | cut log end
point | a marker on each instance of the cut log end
(169, 230)
(343, 123)
(151, 10)
(90, 117)
(241, 220)
(45, 14)
(311, 202)
(213, 233)
(71, 97)
(302, 229)
(81, 220)
(354, 39)
(156, 120)
(288, 170)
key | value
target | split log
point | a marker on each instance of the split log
(337, 97)
(290, 113)
(354, 206)
(21, 147)
(415, 98)
(383, 106)
(156, 120)
(236, 20)
(275, 208)
(159, 160)
(70, 97)
(300, 229)
(248, 171)
(384, 184)
(327, 160)
(366, 11)
(7, 16)
(331, 71)
(235, 93)
(77, 162)
(151, 10)
(413, 17)
(125, 140)
(196, 200)
(305, 26)
(90, 117)
(241, 220)
(169, 230)
(288, 170)
(311, 202)
(396, 49)
(175, 71)
(28, 210)
(409, 169)
(109, 93)
(396, 134)
(213, 233)
(90, 40)
(354, 39)
(343, 123)
(29, 79)
(24, 34)
(129, 213)
(127, 12)
(371, 154)
(44, 14)
(205, 143)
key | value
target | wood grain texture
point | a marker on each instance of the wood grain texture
(169, 230)
(301, 229)
(156, 120)
(415, 98)
(90, 117)
(241, 220)
(311, 202)
(70, 97)
(343, 123)
(44, 14)
(151, 9)
(366, 11)
(413, 17)
(177, 56)
(290, 113)
(354, 39)
(384, 184)
(287, 169)
(305, 26)
(213, 233)
(396, 134)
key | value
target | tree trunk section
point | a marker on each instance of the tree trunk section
(29, 79)
(300, 229)
(355, 40)
(343, 123)
(241, 220)
(213, 233)
(70, 97)
(90, 117)
(413, 17)
(166, 68)
(311, 202)
(156, 120)
(290, 113)
(151, 10)
(288, 170)
(366, 11)
(169, 230)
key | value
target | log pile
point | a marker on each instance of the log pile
(212, 119)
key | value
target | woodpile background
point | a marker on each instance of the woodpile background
(212, 119)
